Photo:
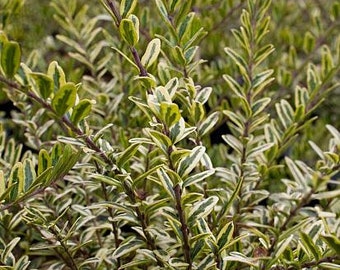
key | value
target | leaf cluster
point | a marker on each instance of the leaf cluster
(161, 137)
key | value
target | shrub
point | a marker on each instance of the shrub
(170, 135)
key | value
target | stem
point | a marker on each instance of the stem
(69, 260)
(142, 70)
(184, 226)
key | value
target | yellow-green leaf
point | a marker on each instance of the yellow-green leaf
(44, 83)
(10, 58)
(81, 110)
(127, 154)
(16, 178)
(127, 7)
(64, 99)
(187, 164)
(2, 183)
(57, 74)
(29, 174)
(152, 51)
(202, 209)
(128, 32)
(44, 161)
(170, 114)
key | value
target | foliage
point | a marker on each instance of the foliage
(153, 135)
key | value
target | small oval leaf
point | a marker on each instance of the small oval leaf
(64, 98)
(152, 51)
(81, 110)
(10, 58)
(44, 84)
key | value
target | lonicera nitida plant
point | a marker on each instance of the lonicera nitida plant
(170, 134)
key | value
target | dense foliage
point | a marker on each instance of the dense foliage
(169, 134)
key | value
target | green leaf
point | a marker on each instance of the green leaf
(327, 63)
(127, 7)
(57, 151)
(329, 266)
(57, 74)
(296, 172)
(285, 113)
(281, 247)
(312, 79)
(197, 111)
(233, 142)
(238, 257)
(129, 32)
(2, 183)
(171, 87)
(263, 53)
(237, 119)
(44, 161)
(44, 84)
(178, 55)
(197, 248)
(29, 174)
(259, 105)
(166, 182)
(308, 245)
(16, 178)
(308, 42)
(225, 235)
(234, 85)
(10, 58)
(238, 59)
(301, 96)
(190, 198)
(162, 10)
(202, 209)
(7, 251)
(198, 177)
(208, 262)
(151, 53)
(199, 35)
(258, 150)
(169, 113)
(22, 263)
(132, 264)
(162, 141)
(232, 198)
(65, 164)
(179, 131)
(327, 195)
(184, 30)
(188, 163)
(106, 179)
(183, 11)
(64, 99)
(333, 242)
(203, 95)
(81, 110)
(208, 124)
(261, 80)
(127, 154)
(127, 246)
(190, 53)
